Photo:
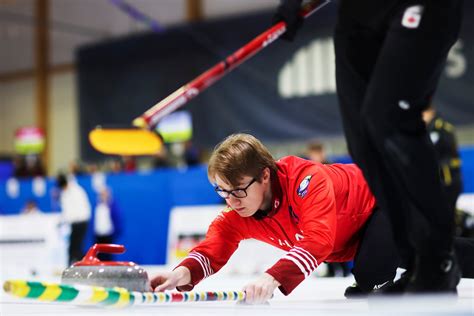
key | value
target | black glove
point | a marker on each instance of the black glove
(288, 11)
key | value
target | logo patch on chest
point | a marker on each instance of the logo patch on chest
(412, 17)
(303, 187)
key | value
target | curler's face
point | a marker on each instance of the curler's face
(248, 196)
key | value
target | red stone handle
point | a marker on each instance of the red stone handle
(91, 256)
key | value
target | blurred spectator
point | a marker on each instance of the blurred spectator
(443, 137)
(316, 152)
(19, 167)
(444, 140)
(76, 211)
(28, 166)
(129, 164)
(91, 168)
(160, 159)
(34, 166)
(107, 221)
(30, 208)
(115, 166)
(176, 154)
(191, 154)
(76, 168)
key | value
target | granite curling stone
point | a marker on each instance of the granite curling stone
(92, 271)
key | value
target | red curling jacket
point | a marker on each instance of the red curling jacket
(317, 214)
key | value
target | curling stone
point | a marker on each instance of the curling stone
(92, 271)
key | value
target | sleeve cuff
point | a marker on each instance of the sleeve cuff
(288, 280)
(199, 268)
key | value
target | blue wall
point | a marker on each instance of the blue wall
(467, 157)
(145, 201)
(6, 169)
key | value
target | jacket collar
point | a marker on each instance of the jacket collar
(277, 195)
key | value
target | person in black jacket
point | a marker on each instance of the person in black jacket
(389, 57)
(443, 138)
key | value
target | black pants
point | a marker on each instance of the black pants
(333, 267)
(78, 232)
(386, 75)
(377, 258)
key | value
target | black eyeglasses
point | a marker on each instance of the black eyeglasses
(238, 193)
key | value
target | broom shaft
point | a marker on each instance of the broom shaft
(117, 297)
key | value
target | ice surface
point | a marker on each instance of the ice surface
(315, 296)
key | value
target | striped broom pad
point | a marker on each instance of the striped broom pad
(113, 297)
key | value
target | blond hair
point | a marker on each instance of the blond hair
(237, 156)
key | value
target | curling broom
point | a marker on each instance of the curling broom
(109, 297)
(141, 140)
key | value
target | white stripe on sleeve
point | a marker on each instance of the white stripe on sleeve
(203, 261)
(302, 259)
(199, 260)
(298, 264)
(309, 254)
(308, 257)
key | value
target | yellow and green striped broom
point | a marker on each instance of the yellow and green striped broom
(111, 297)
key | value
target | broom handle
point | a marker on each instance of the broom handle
(177, 99)
(113, 297)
